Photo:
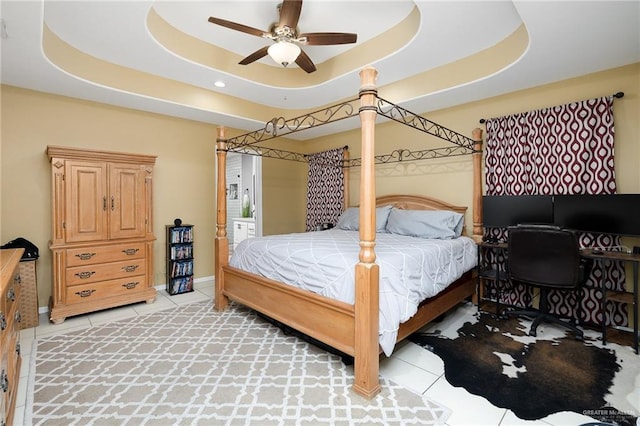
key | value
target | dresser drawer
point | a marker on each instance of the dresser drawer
(13, 374)
(10, 329)
(93, 273)
(6, 331)
(103, 254)
(11, 295)
(97, 291)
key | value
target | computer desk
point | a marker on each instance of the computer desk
(617, 256)
(487, 272)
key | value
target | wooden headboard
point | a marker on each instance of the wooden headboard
(419, 202)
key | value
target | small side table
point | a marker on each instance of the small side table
(616, 256)
(490, 273)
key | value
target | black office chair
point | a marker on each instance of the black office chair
(546, 257)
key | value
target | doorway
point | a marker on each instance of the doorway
(244, 197)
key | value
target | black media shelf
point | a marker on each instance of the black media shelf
(179, 259)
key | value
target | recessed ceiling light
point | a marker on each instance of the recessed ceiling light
(219, 84)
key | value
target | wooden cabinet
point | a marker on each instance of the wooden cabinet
(102, 240)
(243, 229)
(10, 359)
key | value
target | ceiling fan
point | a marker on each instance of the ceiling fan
(285, 50)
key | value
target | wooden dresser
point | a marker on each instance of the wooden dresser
(102, 240)
(10, 285)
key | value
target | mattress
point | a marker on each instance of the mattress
(411, 269)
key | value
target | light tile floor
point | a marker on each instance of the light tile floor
(409, 366)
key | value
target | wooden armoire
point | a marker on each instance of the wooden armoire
(102, 242)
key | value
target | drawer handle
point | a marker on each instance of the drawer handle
(18, 317)
(85, 293)
(131, 285)
(18, 349)
(17, 279)
(85, 275)
(4, 381)
(11, 294)
(85, 256)
(130, 251)
(130, 268)
(3, 321)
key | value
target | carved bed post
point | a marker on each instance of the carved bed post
(221, 244)
(477, 185)
(367, 303)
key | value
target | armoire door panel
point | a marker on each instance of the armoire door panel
(86, 184)
(127, 201)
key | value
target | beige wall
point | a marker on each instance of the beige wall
(284, 196)
(184, 176)
(450, 179)
(284, 188)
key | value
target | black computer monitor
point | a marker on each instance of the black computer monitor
(601, 213)
(502, 211)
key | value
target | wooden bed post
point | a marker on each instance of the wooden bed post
(367, 304)
(477, 185)
(221, 244)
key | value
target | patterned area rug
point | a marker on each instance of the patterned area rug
(192, 365)
(536, 377)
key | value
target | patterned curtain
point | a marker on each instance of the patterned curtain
(325, 191)
(566, 149)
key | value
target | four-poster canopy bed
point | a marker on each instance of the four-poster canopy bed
(352, 328)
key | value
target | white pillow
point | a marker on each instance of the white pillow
(439, 224)
(350, 219)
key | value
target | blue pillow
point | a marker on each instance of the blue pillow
(350, 219)
(439, 224)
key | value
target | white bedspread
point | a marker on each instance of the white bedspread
(411, 269)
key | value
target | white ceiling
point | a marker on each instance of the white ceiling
(566, 39)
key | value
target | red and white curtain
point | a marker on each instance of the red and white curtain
(566, 149)
(325, 189)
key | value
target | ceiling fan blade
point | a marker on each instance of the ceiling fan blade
(237, 27)
(317, 39)
(305, 62)
(258, 54)
(290, 13)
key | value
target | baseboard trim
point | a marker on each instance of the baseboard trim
(195, 281)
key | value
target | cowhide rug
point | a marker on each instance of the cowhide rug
(535, 377)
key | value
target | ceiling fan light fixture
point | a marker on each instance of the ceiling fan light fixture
(284, 52)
